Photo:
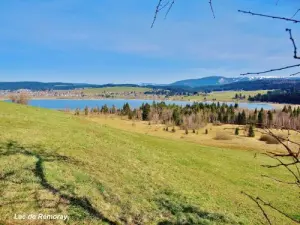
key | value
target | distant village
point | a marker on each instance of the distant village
(44, 94)
(77, 94)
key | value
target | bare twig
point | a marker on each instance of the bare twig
(272, 70)
(259, 206)
(169, 9)
(280, 181)
(212, 8)
(295, 13)
(294, 74)
(276, 209)
(269, 16)
(294, 44)
(158, 6)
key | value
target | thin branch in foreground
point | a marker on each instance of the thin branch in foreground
(279, 211)
(272, 70)
(169, 9)
(269, 16)
(158, 8)
(164, 6)
(294, 44)
(295, 13)
(280, 181)
(260, 207)
(212, 8)
(294, 74)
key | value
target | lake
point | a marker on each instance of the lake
(134, 103)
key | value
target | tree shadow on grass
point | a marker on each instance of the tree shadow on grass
(40, 155)
(179, 212)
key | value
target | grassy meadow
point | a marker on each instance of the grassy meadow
(224, 96)
(100, 173)
(239, 142)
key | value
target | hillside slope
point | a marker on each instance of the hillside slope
(56, 163)
(208, 81)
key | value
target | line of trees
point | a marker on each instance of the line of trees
(279, 96)
(196, 115)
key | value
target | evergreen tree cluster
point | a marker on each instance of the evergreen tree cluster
(291, 96)
(193, 116)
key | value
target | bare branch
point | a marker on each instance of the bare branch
(279, 211)
(294, 44)
(260, 207)
(158, 6)
(278, 165)
(280, 181)
(294, 74)
(287, 167)
(295, 13)
(211, 8)
(269, 16)
(272, 70)
(258, 200)
(169, 9)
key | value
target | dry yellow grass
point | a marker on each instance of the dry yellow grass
(240, 142)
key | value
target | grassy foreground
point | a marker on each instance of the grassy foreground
(51, 162)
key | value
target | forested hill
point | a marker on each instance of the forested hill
(265, 84)
(39, 86)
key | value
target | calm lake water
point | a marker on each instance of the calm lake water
(134, 103)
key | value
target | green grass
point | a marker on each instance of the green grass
(225, 95)
(116, 90)
(52, 162)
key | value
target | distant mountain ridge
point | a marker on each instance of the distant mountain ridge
(205, 83)
(41, 86)
(210, 81)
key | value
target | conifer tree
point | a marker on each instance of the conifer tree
(251, 131)
(146, 111)
(86, 111)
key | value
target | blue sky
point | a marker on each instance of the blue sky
(105, 41)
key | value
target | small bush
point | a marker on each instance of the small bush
(268, 139)
(206, 131)
(194, 131)
(186, 131)
(86, 111)
(237, 131)
(167, 129)
(223, 136)
(77, 112)
(173, 130)
(22, 98)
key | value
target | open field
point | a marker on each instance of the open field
(52, 162)
(240, 142)
(224, 96)
(115, 90)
